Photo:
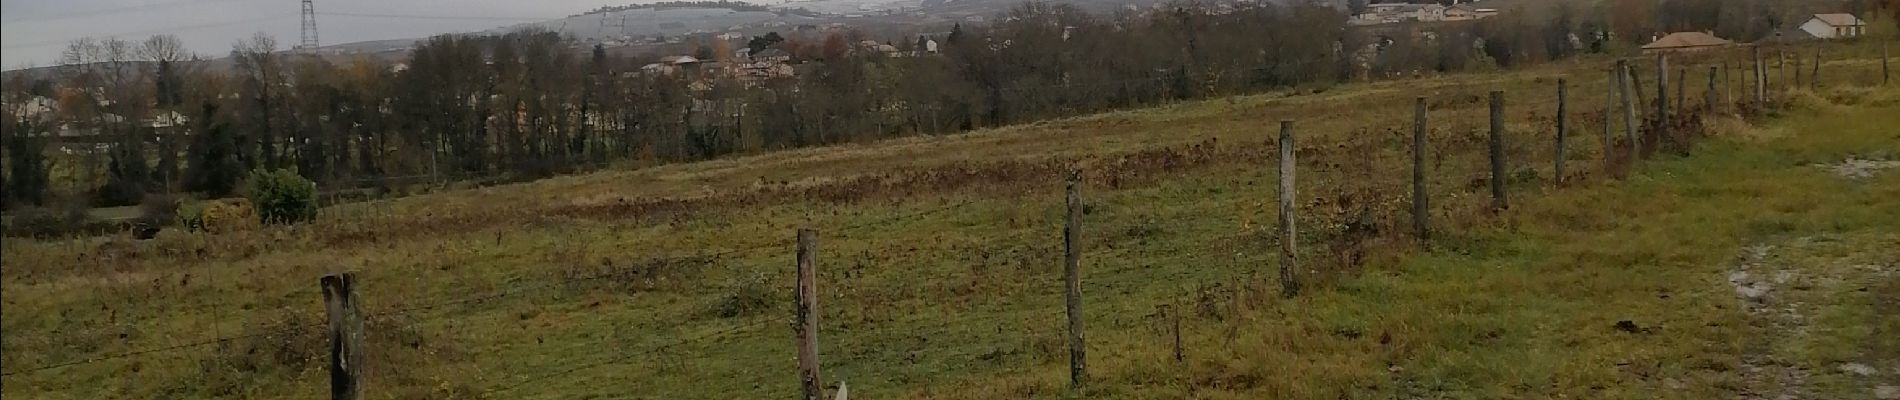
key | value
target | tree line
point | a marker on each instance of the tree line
(530, 104)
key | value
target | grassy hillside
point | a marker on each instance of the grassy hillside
(940, 266)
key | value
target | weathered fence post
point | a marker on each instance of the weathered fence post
(1728, 85)
(1781, 63)
(806, 318)
(1814, 76)
(1636, 88)
(1072, 280)
(1682, 90)
(346, 336)
(1562, 126)
(1708, 98)
(1498, 202)
(1761, 78)
(1289, 261)
(1420, 202)
(1662, 99)
(1886, 75)
(1629, 109)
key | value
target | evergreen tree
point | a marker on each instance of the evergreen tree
(215, 168)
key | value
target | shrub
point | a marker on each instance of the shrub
(191, 215)
(223, 216)
(282, 196)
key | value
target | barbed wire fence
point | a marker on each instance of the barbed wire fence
(1245, 269)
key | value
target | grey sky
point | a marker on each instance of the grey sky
(32, 32)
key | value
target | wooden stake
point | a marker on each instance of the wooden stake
(1636, 89)
(1814, 76)
(1072, 280)
(1289, 262)
(1761, 79)
(1886, 74)
(1629, 108)
(1781, 62)
(346, 336)
(1682, 90)
(1498, 202)
(1708, 98)
(806, 318)
(1420, 201)
(1562, 127)
(1728, 85)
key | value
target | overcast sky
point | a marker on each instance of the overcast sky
(32, 32)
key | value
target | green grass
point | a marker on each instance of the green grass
(940, 266)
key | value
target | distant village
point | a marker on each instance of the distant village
(1393, 13)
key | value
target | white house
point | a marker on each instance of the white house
(1832, 26)
(1401, 12)
(1468, 11)
(38, 108)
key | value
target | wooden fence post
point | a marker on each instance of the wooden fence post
(1072, 280)
(1708, 98)
(346, 336)
(1498, 202)
(1562, 127)
(1289, 261)
(1886, 75)
(806, 318)
(1728, 85)
(1781, 63)
(1662, 100)
(1420, 201)
(1814, 76)
(1629, 109)
(1761, 78)
(1636, 88)
(1682, 90)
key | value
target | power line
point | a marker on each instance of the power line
(432, 17)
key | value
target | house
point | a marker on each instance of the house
(1686, 42)
(167, 119)
(771, 56)
(1400, 12)
(1468, 12)
(1834, 26)
(38, 108)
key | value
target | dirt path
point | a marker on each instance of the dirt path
(1824, 319)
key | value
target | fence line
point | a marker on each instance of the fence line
(1075, 249)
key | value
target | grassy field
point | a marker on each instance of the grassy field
(940, 266)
